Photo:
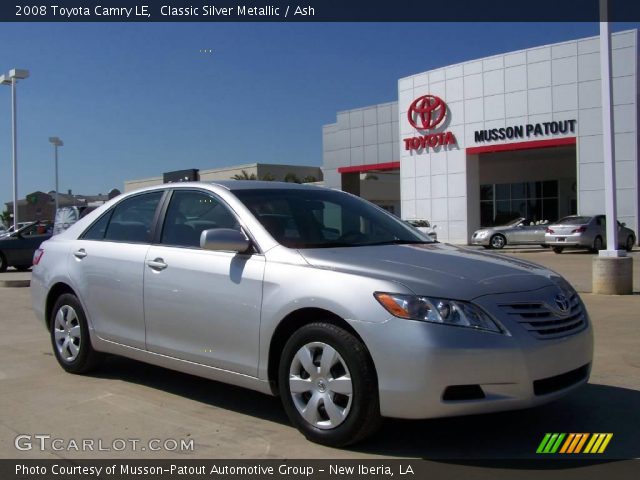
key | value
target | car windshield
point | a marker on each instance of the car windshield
(514, 222)
(319, 218)
(573, 220)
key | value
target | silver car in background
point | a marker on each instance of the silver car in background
(312, 294)
(519, 231)
(579, 231)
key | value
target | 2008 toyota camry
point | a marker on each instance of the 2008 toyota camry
(341, 309)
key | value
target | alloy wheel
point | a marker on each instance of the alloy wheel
(67, 333)
(320, 385)
(597, 244)
(497, 241)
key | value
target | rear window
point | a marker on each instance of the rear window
(573, 220)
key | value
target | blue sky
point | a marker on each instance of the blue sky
(135, 100)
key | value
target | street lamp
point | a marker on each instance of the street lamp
(56, 142)
(12, 79)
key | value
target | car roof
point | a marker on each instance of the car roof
(259, 184)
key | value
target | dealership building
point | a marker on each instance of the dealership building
(482, 142)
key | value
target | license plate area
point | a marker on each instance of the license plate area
(560, 239)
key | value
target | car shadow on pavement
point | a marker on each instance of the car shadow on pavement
(502, 436)
(517, 434)
(210, 392)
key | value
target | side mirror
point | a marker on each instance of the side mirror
(225, 239)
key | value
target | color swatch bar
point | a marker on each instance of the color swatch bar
(574, 443)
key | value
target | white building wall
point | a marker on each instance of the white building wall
(359, 137)
(553, 82)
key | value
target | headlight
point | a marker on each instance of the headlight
(436, 310)
(481, 234)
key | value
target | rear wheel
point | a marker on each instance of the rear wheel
(557, 249)
(3, 263)
(631, 241)
(70, 336)
(328, 385)
(498, 241)
(597, 244)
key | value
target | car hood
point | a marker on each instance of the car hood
(438, 270)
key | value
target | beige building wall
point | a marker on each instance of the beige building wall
(227, 173)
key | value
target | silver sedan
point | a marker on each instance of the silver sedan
(589, 232)
(315, 295)
(519, 231)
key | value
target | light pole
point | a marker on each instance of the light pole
(56, 143)
(12, 79)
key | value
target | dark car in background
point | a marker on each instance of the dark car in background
(17, 248)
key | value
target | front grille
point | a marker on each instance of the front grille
(559, 382)
(546, 322)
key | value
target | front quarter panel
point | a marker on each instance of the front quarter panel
(293, 285)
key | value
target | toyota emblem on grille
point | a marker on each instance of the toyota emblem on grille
(562, 302)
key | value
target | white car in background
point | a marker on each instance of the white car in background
(425, 227)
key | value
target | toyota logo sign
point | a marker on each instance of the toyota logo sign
(427, 112)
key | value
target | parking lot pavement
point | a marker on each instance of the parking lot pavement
(125, 399)
(13, 278)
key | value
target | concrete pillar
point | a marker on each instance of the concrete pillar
(613, 275)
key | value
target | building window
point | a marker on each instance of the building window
(502, 202)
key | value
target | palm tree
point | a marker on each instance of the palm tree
(243, 175)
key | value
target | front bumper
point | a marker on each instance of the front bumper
(476, 240)
(417, 362)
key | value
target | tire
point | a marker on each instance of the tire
(356, 415)
(558, 249)
(68, 326)
(631, 241)
(22, 268)
(3, 263)
(498, 241)
(597, 244)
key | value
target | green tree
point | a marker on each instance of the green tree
(5, 217)
(291, 178)
(309, 179)
(243, 175)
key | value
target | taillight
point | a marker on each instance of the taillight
(549, 230)
(579, 230)
(37, 255)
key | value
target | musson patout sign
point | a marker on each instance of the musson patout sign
(427, 113)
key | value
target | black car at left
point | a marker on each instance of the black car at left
(17, 248)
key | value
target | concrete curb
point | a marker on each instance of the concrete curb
(14, 283)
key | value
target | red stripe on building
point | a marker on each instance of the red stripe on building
(509, 147)
(369, 167)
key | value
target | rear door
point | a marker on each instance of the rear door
(107, 265)
(200, 305)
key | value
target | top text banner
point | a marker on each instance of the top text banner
(316, 11)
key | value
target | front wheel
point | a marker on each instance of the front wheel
(597, 244)
(630, 243)
(328, 385)
(70, 336)
(3, 263)
(557, 249)
(498, 241)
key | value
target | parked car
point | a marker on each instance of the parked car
(312, 294)
(518, 231)
(10, 230)
(580, 231)
(17, 248)
(425, 227)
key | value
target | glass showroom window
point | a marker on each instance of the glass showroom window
(503, 202)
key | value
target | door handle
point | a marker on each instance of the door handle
(80, 254)
(157, 264)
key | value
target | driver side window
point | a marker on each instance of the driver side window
(190, 213)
